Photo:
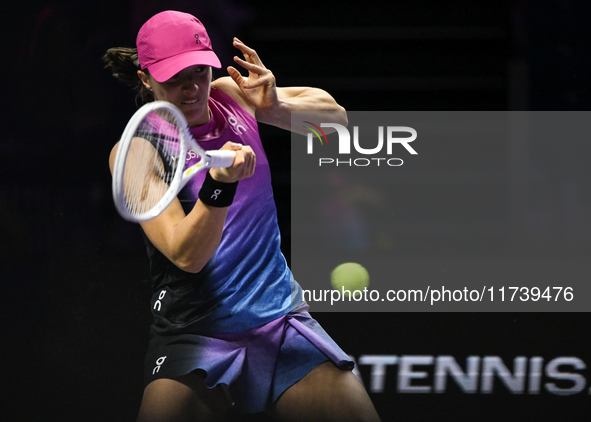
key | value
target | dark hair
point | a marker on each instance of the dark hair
(124, 64)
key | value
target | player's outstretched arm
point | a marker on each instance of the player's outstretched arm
(270, 104)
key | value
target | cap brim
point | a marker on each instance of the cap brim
(167, 68)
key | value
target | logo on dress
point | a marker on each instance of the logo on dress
(158, 304)
(159, 363)
(234, 122)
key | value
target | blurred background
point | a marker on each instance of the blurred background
(74, 282)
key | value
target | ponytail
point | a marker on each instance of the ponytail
(124, 64)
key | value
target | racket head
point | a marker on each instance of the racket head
(150, 160)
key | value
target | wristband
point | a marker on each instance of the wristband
(217, 194)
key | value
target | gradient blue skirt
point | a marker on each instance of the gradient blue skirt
(257, 365)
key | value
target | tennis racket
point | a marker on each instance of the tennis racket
(156, 157)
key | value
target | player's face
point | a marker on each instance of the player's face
(189, 91)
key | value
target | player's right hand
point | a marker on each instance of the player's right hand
(242, 167)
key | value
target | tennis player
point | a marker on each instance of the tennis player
(230, 326)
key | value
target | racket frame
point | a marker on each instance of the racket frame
(208, 159)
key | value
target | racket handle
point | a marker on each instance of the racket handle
(221, 158)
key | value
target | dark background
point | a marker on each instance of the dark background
(74, 275)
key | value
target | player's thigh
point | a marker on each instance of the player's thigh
(182, 399)
(326, 394)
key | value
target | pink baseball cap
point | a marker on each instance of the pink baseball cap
(172, 41)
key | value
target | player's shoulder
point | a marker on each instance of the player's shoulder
(229, 87)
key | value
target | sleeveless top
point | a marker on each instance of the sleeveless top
(247, 282)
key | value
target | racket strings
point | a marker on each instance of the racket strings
(152, 162)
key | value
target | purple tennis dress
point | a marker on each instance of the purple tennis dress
(241, 319)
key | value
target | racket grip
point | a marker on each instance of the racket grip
(221, 158)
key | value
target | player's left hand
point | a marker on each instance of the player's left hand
(260, 87)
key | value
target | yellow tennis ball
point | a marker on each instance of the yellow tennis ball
(349, 276)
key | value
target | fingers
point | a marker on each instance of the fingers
(259, 75)
(231, 146)
(247, 162)
(236, 76)
(250, 54)
(251, 67)
(263, 77)
(242, 168)
(244, 163)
